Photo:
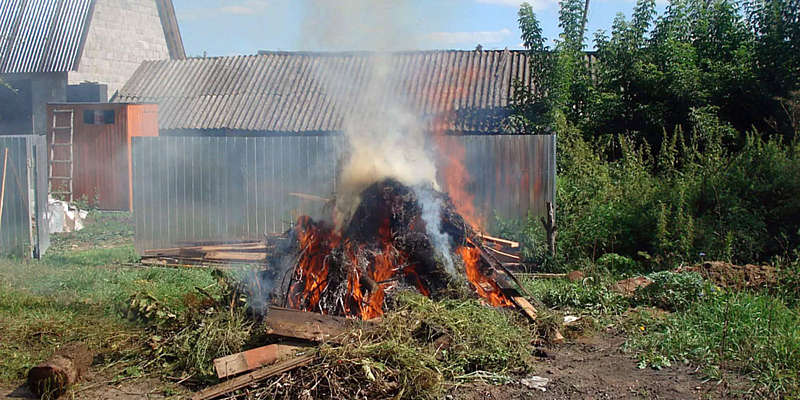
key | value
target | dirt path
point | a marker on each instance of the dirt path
(596, 368)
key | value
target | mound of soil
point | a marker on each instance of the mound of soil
(733, 276)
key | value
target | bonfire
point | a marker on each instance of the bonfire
(387, 245)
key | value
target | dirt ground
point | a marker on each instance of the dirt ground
(97, 387)
(591, 368)
(595, 368)
(729, 275)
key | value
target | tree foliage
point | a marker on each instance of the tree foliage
(678, 135)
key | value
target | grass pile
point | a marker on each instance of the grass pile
(418, 350)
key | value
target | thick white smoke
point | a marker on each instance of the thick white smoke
(385, 137)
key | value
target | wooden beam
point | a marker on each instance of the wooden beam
(249, 360)
(307, 325)
(252, 377)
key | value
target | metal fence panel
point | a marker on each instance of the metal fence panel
(192, 189)
(23, 227)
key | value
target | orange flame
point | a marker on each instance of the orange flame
(315, 244)
(456, 177)
(484, 287)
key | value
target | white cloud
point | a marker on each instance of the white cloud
(537, 5)
(468, 38)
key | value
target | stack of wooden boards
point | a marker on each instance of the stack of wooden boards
(248, 252)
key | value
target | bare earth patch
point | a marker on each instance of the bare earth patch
(596, 368)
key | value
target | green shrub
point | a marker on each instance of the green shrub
(616, 263)
(587, 296)
(672, 291)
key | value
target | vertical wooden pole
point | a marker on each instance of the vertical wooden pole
(550, 228)
(3, 188)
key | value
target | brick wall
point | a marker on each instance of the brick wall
(122, 34)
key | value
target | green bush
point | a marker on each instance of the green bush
(672, 291)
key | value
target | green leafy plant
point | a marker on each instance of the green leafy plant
(673, 291)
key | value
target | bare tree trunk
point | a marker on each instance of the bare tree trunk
(550, 227)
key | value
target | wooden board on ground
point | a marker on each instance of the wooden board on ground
(252, 377)
(249, 360)
(307, 325)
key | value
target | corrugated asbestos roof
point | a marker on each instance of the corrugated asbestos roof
(313, 92)
(42, 35)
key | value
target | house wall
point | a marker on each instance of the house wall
(41, 88)
(122, 34)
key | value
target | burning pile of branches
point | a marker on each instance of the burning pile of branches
(386, 246)
(330, 285)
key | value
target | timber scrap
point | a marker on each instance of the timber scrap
(210, 253)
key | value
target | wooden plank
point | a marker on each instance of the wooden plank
(526, 307)
(307, 325)
(252, 377)
(507, 242)
(502, 253)
(249, 360)
(235, 256)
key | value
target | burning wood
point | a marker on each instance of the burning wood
(385, 246)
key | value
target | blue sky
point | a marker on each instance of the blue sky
(230, 27)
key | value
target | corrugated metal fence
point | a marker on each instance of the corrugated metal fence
(23, 228)
(215, 188)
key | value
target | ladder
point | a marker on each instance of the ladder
(59, 138)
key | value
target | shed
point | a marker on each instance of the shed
(89, 147)
(313, 93)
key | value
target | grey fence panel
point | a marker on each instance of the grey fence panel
(195, 189)
(23, 227)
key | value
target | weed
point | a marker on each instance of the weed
(752, 334)
(591, 295)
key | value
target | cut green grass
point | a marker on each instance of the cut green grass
(589, 296)
(751, 334)
(32, 326)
